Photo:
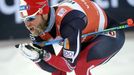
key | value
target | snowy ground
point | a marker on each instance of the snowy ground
(13, 63)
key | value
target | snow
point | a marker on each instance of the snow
(13, 63)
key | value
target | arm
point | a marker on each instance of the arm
(71, 32)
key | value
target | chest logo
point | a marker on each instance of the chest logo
(62, 12)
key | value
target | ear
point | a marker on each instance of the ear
(45, 16)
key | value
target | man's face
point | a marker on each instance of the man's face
(37, 25)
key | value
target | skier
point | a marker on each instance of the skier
(69, 20)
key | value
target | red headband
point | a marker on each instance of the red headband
(33, 6)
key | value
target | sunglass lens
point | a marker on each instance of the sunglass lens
(30, 19)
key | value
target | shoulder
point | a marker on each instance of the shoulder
(74, 14)
(75, 19)
(67, 14)
(67, 7)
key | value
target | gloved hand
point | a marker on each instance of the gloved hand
(31, 52)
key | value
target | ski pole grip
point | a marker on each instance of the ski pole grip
(130, 22)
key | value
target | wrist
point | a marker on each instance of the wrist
(46, 56)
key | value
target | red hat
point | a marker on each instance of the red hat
(29, 7)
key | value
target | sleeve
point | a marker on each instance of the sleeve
(71, 32)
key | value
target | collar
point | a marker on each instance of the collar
(51, 20)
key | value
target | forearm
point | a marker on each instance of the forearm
(59, 63)
(45, 66)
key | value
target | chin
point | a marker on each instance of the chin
(36, 34)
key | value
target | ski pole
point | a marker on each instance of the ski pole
(129, 23)
(126, 24)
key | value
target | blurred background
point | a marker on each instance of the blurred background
(13, 31)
